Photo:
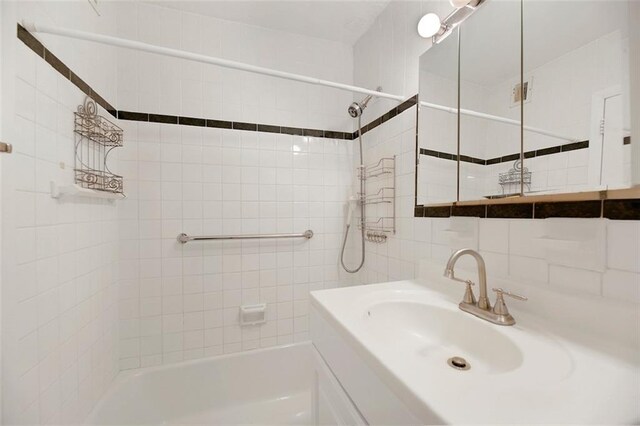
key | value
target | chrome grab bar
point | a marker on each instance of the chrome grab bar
(184, 238)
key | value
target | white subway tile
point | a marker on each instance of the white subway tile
(623, 245)
(621, 285)
(579, 280)
(528, 269)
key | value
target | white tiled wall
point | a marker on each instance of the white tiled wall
(91, 287)
(182, 301)
(509, 246)
(59, 301)
(157, 84)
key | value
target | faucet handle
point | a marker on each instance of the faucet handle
(500, 308)
(469, 297)
(506, 293)
(460, 280)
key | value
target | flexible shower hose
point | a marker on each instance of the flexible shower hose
(362, 218)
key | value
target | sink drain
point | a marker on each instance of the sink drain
(458, 363)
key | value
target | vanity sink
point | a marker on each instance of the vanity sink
(436, 334)
(533, 372)
(428, 331)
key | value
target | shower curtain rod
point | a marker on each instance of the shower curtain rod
(496, 118)
(196, 57)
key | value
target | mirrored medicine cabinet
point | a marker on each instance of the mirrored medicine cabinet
(526, 98)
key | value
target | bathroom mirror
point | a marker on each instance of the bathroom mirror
(560, 67)
(576, 75)
(437, 123)
(489, 113)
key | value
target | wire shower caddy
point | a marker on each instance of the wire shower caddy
(380, 198)
(96, 137)
(512, 178)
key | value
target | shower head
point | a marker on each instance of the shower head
(357, 108)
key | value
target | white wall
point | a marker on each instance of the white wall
(158, 84)
(59, 310)
(182, 302)
(508, 245)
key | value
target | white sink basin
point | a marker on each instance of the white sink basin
(524, 373)
(436, 334)
(428, 331)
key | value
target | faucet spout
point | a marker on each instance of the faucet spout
(483, 301)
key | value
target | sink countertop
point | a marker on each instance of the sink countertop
(533, 375)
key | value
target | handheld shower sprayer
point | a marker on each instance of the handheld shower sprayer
(355, 110)
(351, 206)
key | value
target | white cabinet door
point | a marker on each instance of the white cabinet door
(331, 404)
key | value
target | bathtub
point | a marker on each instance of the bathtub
(266, 386)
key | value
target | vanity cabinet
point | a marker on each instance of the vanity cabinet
(331, 404)
(347, 390)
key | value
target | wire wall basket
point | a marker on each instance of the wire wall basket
(96, 137)
(381, 224)
(514, 177)
(380, 199)
(385, 166)
(385, 195)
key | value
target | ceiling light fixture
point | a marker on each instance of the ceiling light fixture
(431, 26)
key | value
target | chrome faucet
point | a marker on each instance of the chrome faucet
(482, 308)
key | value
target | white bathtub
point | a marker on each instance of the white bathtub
(267, 386)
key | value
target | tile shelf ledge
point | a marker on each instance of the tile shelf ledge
(68, 191)
(608, 194)
(615, 204)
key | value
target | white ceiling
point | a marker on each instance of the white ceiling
(490, 39)
(343, 21)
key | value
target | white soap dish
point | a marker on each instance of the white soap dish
(253, 314)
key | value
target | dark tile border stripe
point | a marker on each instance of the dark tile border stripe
(512, 157)
(251, 127)
(507, 158)
(32, 43)
(192, 121)
(611, 209)
(412, 101)
(220, 124)
(133, 116)
(623, 209)
(441, 211)
(166, 119)
(510, 211)
(36, 46)
(469, 211)
(581, 209)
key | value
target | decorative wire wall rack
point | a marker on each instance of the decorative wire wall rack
(514, 177)
(379, 199)
(96, 137)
